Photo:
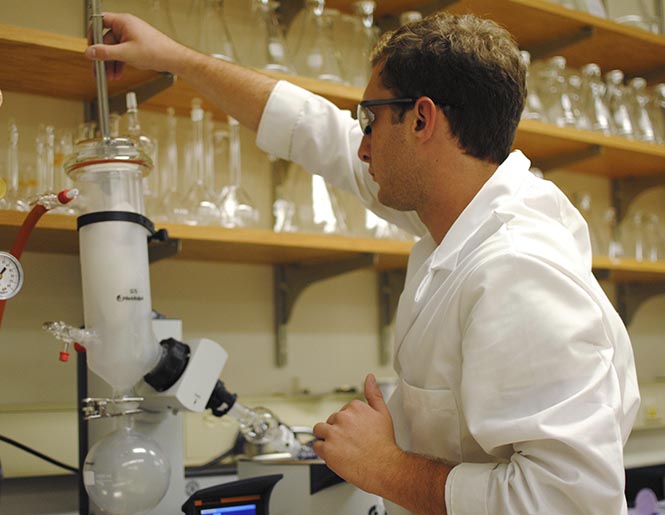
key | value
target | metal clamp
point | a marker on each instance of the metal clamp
(103, 407)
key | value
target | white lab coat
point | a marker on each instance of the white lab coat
(513, 365)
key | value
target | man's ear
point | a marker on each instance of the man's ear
(425, 111)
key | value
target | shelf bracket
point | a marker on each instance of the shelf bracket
(567, 159)
(560, 42)
(291, 280)
(145, 91)
(631, 296)
(391, 284)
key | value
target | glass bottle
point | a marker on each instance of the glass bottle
(213, 35)
(618, 103)
(657, 112)
(314, 54)
(200, 207)
(594, 93)
(270, 50)
(236, 207)
(644, 127)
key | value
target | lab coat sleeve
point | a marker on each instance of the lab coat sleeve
(539, 393)
(307, 129)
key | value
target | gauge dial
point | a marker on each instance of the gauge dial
(11, 276)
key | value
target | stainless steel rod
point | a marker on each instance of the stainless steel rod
(100, 70)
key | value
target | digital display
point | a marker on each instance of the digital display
(245, 509)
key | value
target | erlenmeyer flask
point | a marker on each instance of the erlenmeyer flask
(363, 41)
(644, 126)
(533, 107)
(556, 94)
(158, 15)
(595, 90)
(314, 54)
(236, 207)
(269, 46)
(618, 104)
(13, 198)
(199, 203)
(214, 38)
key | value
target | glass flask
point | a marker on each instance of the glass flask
(556, 94)
(13, 197)
(44, 157)
(635, 13)
(594, 94)
(126, 473)
(171, 198)
(148, 145)
(652, 238)
(618, 102)
(577, 101)
(364, 38)
(410, 16)
(644, 127)
(582, 201)
(533, 107)
(158, 15)
(657, 111)
(199, 204)
(314, 53)
(213, 34)
(236, 207)
(269, 45)
(611, 244)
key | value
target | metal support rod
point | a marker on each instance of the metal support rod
(100, 70)
(291, 280)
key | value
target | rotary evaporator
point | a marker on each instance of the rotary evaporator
(144, 382)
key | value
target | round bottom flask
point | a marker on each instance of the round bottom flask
(126, 473)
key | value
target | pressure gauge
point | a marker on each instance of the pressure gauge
(11, 275)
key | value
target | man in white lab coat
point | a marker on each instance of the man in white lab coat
(517, 387)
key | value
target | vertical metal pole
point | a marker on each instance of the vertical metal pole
(100, 70)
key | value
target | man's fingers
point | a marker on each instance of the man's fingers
(373, 395)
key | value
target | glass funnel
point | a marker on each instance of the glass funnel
(236, 207)
(314, 53)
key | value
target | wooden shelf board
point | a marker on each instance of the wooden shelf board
(44, 63)
(612, 46)
(619, 157)
(57, 234)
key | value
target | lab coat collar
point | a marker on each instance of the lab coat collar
(475, 223)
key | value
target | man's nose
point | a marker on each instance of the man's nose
(364, 149)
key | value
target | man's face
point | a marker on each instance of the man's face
(389, 151)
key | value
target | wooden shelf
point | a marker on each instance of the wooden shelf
(57, 234)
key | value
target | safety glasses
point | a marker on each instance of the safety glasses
(365, 115)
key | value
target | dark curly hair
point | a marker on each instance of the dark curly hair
(469, 63)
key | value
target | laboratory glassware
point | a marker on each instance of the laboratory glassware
(612, 244)
(533, 107)
(364, 38)
(314, 54)
(635, 13)
(269, 50)
(158, 15)
(643, 125)
(13, 198)
(200, 206)
(555, 92)
(652, 238)
(237, 209)
(582, 201)
(410, 16)
(657, 111)
(64, 146)
(594, 95)
(213, 34)
(171, 198)
(618, 102)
